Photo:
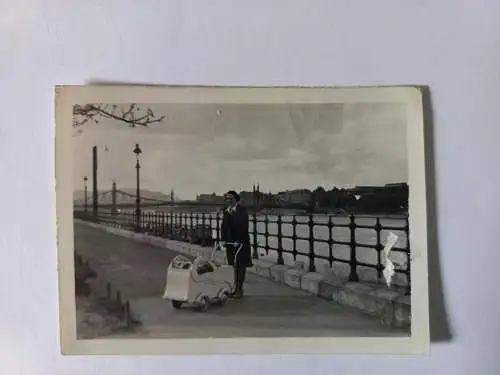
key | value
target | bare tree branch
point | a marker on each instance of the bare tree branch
(134, 115)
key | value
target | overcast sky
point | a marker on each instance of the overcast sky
(202, 148)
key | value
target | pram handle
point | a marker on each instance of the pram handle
(230, 243)
(219, 244)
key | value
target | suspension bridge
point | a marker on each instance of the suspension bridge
(120, 199)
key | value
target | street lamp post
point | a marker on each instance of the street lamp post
(95, 194)
(85, 179)
(137, 152)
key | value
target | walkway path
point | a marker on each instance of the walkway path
(138, 270)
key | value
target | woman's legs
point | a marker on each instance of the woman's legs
(239, 275)
(242, 271)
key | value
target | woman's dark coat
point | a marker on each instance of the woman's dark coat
(234, 228)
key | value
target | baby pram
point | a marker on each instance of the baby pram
(200, 282)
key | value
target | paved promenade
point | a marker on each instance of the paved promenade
(138, 270)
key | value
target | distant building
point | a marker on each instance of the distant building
(266, 199)
(402, 186)
(247, 198)
(388, 198)
(210, 198)
(294, 196)
(366, 189)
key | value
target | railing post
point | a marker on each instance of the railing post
(255, 254)
(217, 223)
(203, 221)
(210, 224)
(294, 237)
(180, 225)
(170, 224)
(380, 266)
(173, 224)
(266, 233)
(280, 241)
(353, 276)
(330, 241)
(408, 256)
(185, 225)
(312, 267)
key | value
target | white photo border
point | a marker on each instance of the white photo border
(411, 96)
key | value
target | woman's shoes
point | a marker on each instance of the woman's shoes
(237, 294)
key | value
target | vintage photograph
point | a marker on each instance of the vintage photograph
(225, 219)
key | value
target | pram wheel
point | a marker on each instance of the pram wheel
(224, 296)
(203, 304)
(177, 304)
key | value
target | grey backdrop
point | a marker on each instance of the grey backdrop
(452, 46)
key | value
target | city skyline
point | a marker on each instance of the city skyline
(247, 190)
(202, 148)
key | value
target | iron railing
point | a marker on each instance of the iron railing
(194, 226)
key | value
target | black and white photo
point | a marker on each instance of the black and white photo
(199, 220)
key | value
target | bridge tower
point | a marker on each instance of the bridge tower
(113, 199)
(172, 195)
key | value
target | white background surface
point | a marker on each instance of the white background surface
(452, 46)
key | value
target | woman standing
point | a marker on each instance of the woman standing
(234, 228)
